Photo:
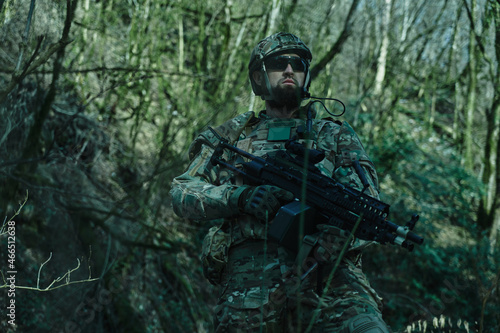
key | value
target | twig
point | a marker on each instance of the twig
(56, 287)
(2, 229)
(66, 277)
(40, 270)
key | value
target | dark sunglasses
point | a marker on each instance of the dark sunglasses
(280, 63)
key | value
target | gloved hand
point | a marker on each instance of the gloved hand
(263, 201)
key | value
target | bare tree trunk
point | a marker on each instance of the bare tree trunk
(494, 179)
(384, 49)
(494, 235)
(495, 228)
(471, 92)
(489, 210)
(458, 97)
(181, 44)
(489, 207)
(275, 11)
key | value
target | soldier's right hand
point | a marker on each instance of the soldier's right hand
(263, 201)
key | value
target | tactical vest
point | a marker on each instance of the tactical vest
(270, 135)
(260, 136)
(265, 136)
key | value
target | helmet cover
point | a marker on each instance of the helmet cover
(274, 45)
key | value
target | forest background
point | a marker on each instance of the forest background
(99, 101)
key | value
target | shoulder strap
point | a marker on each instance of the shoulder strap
(231, 130)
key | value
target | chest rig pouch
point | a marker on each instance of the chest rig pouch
(280, 130)
(271, 135)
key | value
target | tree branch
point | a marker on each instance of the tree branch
(337, 47)
(33, 142)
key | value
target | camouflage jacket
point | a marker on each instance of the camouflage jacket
(203, 191)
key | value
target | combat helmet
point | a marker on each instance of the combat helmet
(274, 45)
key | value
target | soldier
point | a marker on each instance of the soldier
(263, 285)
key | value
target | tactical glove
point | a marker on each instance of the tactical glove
(263, 201)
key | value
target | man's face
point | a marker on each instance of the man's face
(286, 74)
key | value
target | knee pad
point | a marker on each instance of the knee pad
(366, 323)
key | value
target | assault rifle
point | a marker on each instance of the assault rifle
(322, 199)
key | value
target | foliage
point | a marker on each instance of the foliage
(101, 99)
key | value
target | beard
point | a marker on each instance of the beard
(285, 96)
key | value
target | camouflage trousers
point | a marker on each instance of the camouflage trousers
(261, 293)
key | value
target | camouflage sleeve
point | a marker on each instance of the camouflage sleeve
(344, 147)
(204, 191)
(197, 194)
(348, 148)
